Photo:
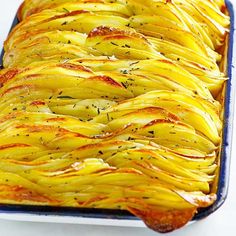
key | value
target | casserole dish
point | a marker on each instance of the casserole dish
(124, 218)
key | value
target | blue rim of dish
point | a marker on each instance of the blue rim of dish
(225, 157)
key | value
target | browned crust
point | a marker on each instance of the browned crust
(10, 74)
(99, 145)
(57, 119)
(20, 194)
(164, 221)
(107, 80)
(48, 128)
(19, 87)
(71, 66)
(20, 11)
(159, 121)
(114, 33)
(37, 103)
(13, 145)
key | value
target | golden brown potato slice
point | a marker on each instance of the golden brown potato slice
(114, 104)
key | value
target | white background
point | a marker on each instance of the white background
(222, 222)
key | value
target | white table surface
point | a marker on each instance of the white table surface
(222, 222)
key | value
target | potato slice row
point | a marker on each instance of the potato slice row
(163, 38)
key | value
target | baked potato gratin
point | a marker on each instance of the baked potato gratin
(114, 104)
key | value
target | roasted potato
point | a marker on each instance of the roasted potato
(114, 104)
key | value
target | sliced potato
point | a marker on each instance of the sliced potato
(114, 104)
